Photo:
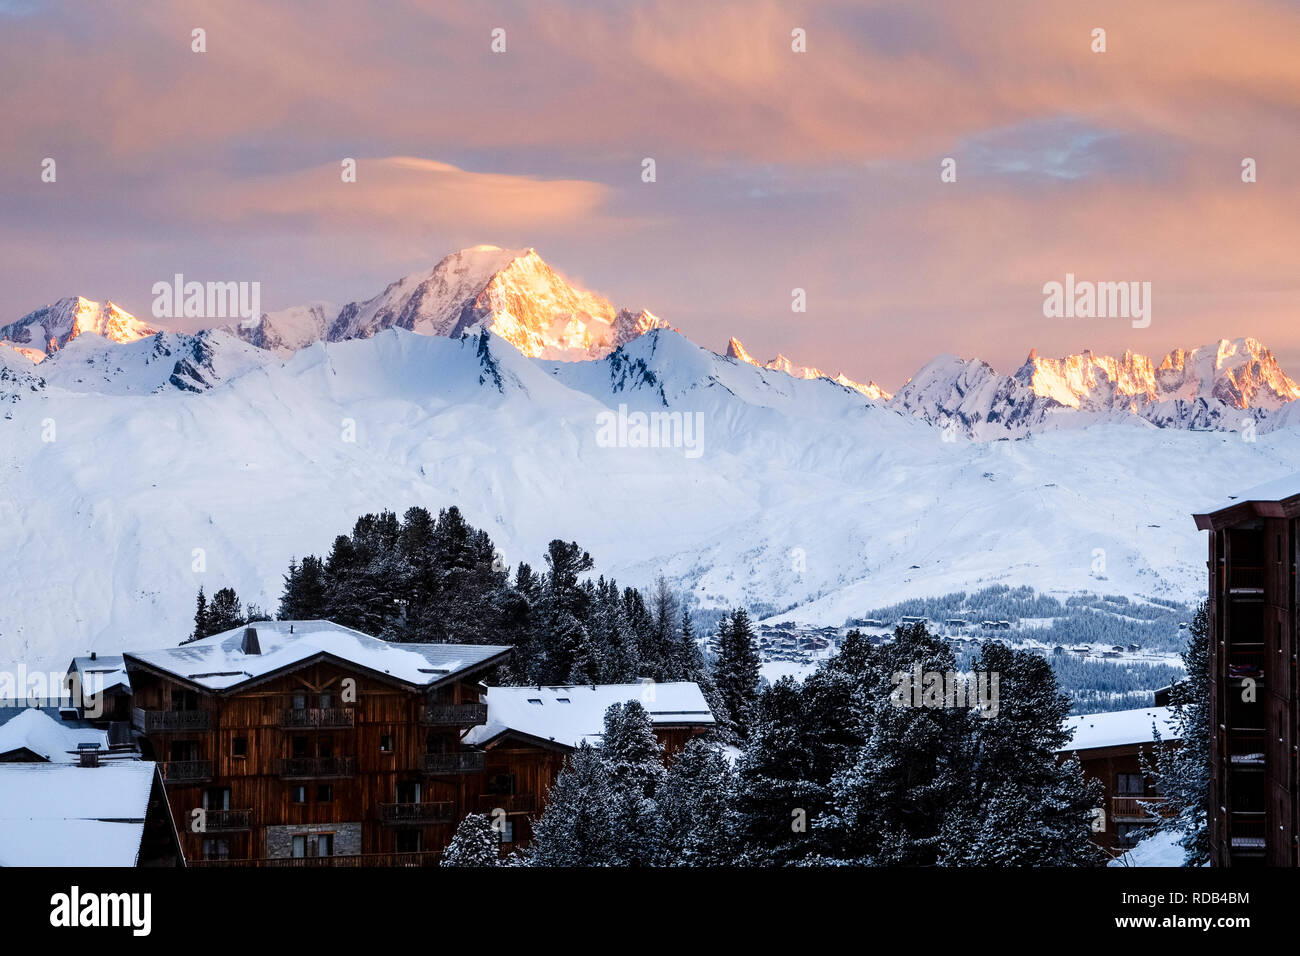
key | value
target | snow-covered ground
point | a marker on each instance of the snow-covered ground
(1159, 849)
(123, 492)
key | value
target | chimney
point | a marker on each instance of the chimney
(92, 655)
(249, 644)
(88, 755)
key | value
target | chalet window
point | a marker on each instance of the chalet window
(324, 844)
(299, 700)
(408, 791)
(1130, 785)
(185, 750)
(535, 701)
(326, 701)
(507, 831)
(325, 747)
(385, 743)
(216, 849)
(184, 700)
(216, 798)
(408, 841)
(501, 783)
(299, 847)
(298, 793)
(324, 793)
(239, 748)
(299, 745)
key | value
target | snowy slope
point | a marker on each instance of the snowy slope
(804, 493)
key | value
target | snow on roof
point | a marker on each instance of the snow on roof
(102, 672)
(60, 815)
(219, 662)
(1120, 727)
(1278, 489)
(568, 715)
(35, 730)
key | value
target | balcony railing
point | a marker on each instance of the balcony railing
(509, 802)
(312, 768)
(324, 717)
(227, 821)
(165, 721)
(469, 761)
(396, 813)
(454, 715)
(186, 771)
(1132, 807)
(424, 858)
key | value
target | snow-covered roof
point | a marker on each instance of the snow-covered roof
(1120, 727)
(61, 815)
(35, 730)
(101, 672)
(219, 662)
(568, 715)
(1279, 489)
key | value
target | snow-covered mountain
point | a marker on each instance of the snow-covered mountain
(511, 292)
(736, 350)
(1220, 386)
(125, 491)
(45, 331)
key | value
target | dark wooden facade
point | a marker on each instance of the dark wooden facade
(1253, 746)
(1124, 818)
(323, 760)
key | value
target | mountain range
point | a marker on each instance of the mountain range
(135, 472)
(516, 295)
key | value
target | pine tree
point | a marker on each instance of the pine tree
(579, 826)
(736, 673)
(475, 843)
(776, 797)
(200, 617)
(694, 806)
(290, 597)
(225, 612)
(1183, 772)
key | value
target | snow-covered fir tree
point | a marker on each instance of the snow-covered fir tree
(736, 672)
(475, 843)
(695, 808)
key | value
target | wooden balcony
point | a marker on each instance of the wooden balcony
(315, 768)
(181, 772)
(170, 721)
(325, 718)
(509, 802)
(468, 761)
(425, 858)
(1130, 808)
(454, 715)
(227, 821)
(417, 813)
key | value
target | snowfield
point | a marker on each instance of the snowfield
(134, 473)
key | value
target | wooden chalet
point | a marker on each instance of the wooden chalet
(303, 743)
(1111, 748)
(530, 731)
(1254, 547)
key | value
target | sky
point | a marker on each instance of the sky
(775, 169)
